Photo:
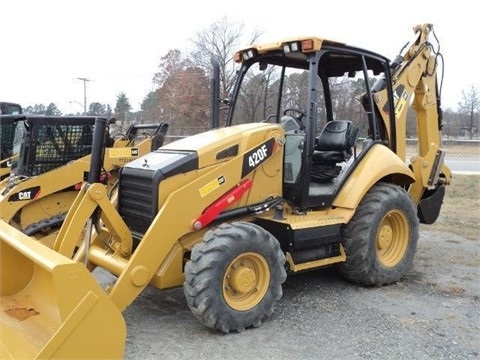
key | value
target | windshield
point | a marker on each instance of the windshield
(274, 86)
(267, 90)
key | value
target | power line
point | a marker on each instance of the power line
(84, 93)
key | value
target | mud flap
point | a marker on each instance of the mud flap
(430, 205)
(51, 306)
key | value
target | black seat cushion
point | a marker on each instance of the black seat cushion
(334, 144)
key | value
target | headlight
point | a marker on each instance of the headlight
(291, 47)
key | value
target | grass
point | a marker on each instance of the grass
(460, 210)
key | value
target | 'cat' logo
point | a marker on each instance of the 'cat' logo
(27, 194)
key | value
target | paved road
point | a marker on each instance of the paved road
(463, 164)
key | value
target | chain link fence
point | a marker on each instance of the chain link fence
(462, 155)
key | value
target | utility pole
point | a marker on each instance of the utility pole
(84, 93)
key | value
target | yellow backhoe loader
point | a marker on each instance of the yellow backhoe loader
(309, 171)
(51, 155)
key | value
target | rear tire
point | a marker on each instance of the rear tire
(381, 239)
(234, 277)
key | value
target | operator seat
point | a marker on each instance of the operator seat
(334, 145)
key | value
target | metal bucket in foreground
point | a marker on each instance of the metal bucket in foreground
(51, 306)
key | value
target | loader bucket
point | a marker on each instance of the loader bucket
(51, 306)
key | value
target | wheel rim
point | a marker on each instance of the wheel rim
(246, 281)
(392, 238)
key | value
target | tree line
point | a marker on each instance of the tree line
(182, 89)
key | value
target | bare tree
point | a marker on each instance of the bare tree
(220, 40)
(255, 101)
(170, 65)
(182, 98)
(470, 106)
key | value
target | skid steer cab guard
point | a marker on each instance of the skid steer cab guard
(51, 306)
(7, 134)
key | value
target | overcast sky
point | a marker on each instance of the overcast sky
(46, 45)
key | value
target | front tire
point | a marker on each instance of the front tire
(381, 239)
(234, 277)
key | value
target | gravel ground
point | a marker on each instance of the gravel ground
(433, 313)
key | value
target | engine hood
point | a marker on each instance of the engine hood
(221, 144)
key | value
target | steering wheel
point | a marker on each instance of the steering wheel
(120, 136)
(298, 118)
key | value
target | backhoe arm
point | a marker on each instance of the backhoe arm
(414, 84)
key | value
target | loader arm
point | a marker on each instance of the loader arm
(92, 197)
(111, 243)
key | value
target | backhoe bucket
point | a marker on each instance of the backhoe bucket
(51, 306)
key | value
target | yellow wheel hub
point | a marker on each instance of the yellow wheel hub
(392, 238)
(243, 279)
(246, 281)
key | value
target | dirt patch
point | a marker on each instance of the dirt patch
(432, 313)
